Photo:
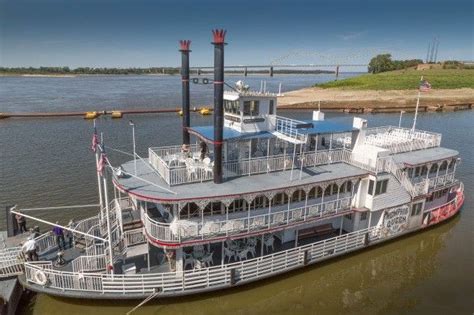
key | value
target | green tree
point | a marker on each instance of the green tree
(381, 63)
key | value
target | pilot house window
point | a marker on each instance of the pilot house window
(232, 107)
(251, 108)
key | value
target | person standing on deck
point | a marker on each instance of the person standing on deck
(69, 234)
(21, 223)
(29, 248)
(58, 232)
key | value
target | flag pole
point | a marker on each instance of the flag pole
(416, 109)
(109, 231)
(101, 201)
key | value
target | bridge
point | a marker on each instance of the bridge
(271, 67)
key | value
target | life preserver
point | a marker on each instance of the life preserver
(40, 277)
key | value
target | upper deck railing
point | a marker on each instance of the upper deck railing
(176, 173)
(290, 128)
(397, 139)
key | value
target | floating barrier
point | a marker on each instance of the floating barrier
(205, 111)
(96, 114)
(180, 113)
(117, 114)
(91, 115)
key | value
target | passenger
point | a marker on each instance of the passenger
(21, 223)
(29, 248)
(58, 232)
(203, 146)
(69, 234)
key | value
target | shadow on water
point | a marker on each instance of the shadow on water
(365, 282)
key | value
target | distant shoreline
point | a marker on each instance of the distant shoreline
(228, 73)
(373, 101)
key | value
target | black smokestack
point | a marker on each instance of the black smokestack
(219, 36)
(184, 49)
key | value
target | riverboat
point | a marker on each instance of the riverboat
(253, 196)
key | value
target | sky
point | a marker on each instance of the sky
(145, 33)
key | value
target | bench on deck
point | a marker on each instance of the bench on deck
(319, 230)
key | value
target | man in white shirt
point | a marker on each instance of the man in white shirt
(29, 248)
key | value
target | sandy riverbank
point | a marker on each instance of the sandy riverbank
(373, 100)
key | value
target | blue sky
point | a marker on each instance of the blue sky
(138, 33)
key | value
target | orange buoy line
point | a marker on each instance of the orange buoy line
(96, 114)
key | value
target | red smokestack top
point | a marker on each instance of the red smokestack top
(219, 36)
(184, 45)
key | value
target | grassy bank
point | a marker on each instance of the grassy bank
(406, 80)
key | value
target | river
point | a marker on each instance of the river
(47, 162)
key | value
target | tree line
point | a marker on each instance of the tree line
(384, 62)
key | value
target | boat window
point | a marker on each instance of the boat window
(270, 108)
(434, 168)
(410, 173)
(416, 208)
(251, 108)
(349, 186)
(371, 188)
(381, 187)
(363, 216)
(232, 107)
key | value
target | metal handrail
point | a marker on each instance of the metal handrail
(203, 230)
(212, 277)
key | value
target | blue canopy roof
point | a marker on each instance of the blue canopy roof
(318, 127)
(207, 133)
(327, 126)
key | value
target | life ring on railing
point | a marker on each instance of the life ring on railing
(40, 277)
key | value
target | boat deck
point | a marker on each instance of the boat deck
(237, 186)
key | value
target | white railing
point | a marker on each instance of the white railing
(213, 277)
(11, 261)
(390, 166)
(289, 127)
(399, 140)
(265, 221)
(95, 249)
(208, 229)
(159, 230)
(134, 237)
(89, 263)
(85, 225)
(258, 165)
(45, 242)
(173, 150)
(442, 180)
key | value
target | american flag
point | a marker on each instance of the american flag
(425, 86)
(95, 140)
(102, 163)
